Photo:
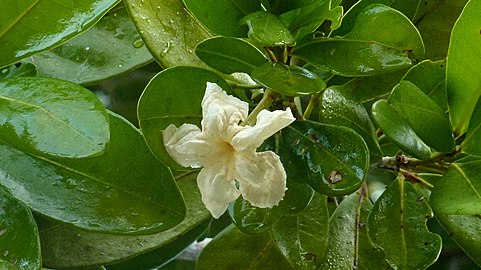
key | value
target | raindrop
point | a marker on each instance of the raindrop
(3, 231)
(166, 49)
(138, 43)
(4, 70)
(87, 48)
(119, 33)
(178, 13)
(94, 224)
(5, 253)
(70, 183)
(159, 8)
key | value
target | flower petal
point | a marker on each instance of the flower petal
(268, 123)
(262, 179)
(178, 143)
(217, 187)
(243, 78)
(222, 113)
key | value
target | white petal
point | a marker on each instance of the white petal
(243, 78)
(217, 187)
(268, 123)
(178, 143)
(262, 179)
(222, 113)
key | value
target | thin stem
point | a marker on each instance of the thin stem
(272, 55)
(244, 86)
(312, 103)
(415, 179)
(265, 102)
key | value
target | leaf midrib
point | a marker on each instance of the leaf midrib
(18, 18)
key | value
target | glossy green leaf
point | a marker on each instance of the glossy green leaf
(430, 77)
(435, 27)
(142, 251)
(459, 190)
(380, 42)
(344, 226)
(302, 238)
(471, 143)
(398, 130)
(168, 31)
(250, 219)
(47, 116)
(288, 80)
(266, 29)
(19, 239)
(23, 69)
(397, 224)
(341, 109)
(466, 232)
(164, 102)
(233, 249)
(412, 9)
(429, 121)
(222, 17)
(22, 34)
(281, 6)
(304, 20)
(229, 55)
(102, 194)
(464, 66)
(7, 265)
(334, 159)
(110, 48)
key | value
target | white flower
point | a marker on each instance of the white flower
(227, 152)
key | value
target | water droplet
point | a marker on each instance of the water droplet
(171, 21)
(141, 31)
(138, 43)
(166, 49)
(159, 8)
(115, 14)
(119, 65)
(4, 70)
(178, 13)
(191, 51)
(3, 231)
(94, 224)
(87, 48)
(119, 33)
(5, 253)
(70, 183)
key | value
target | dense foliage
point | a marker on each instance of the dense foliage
(383, 162)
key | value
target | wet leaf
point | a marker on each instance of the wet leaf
(463, 67)
(288, 80)
(380, 42)
(110, 48)
(341, 109)
(168, 31)
(101, 194)
(141, 252)
(429, 121)
(19, 239)
(21, 34)
(397, 224)
(23, 69)
(471, 143)
(266, 29)
(164, 102)
(53, 117)
(458, 192)
(334, 159)
(398, 130)
(229, 55)
(302, 238)
(222, 17)
(245, 252)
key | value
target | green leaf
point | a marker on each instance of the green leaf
(19, 239)
(110, 48)
(305, 20)
(471, 143)
(465, 231)
(222, 17)
(288, 80)
(102, 194)
(435, 27)
(334, 159)
(23, 69)
(398, 130)
(380, 42)
(142, 251)
(164, 102)
(464, 66)
(429, 121)
(344, 227)
(302, 238)
(233, 249)
(341, 109)
(53, 117)
(21, 34)
(266, 29)
(168, 31)
(7, 266)
(412, 9)
(459, 190)
(229, 55)
(397, 224)
(430, 77)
